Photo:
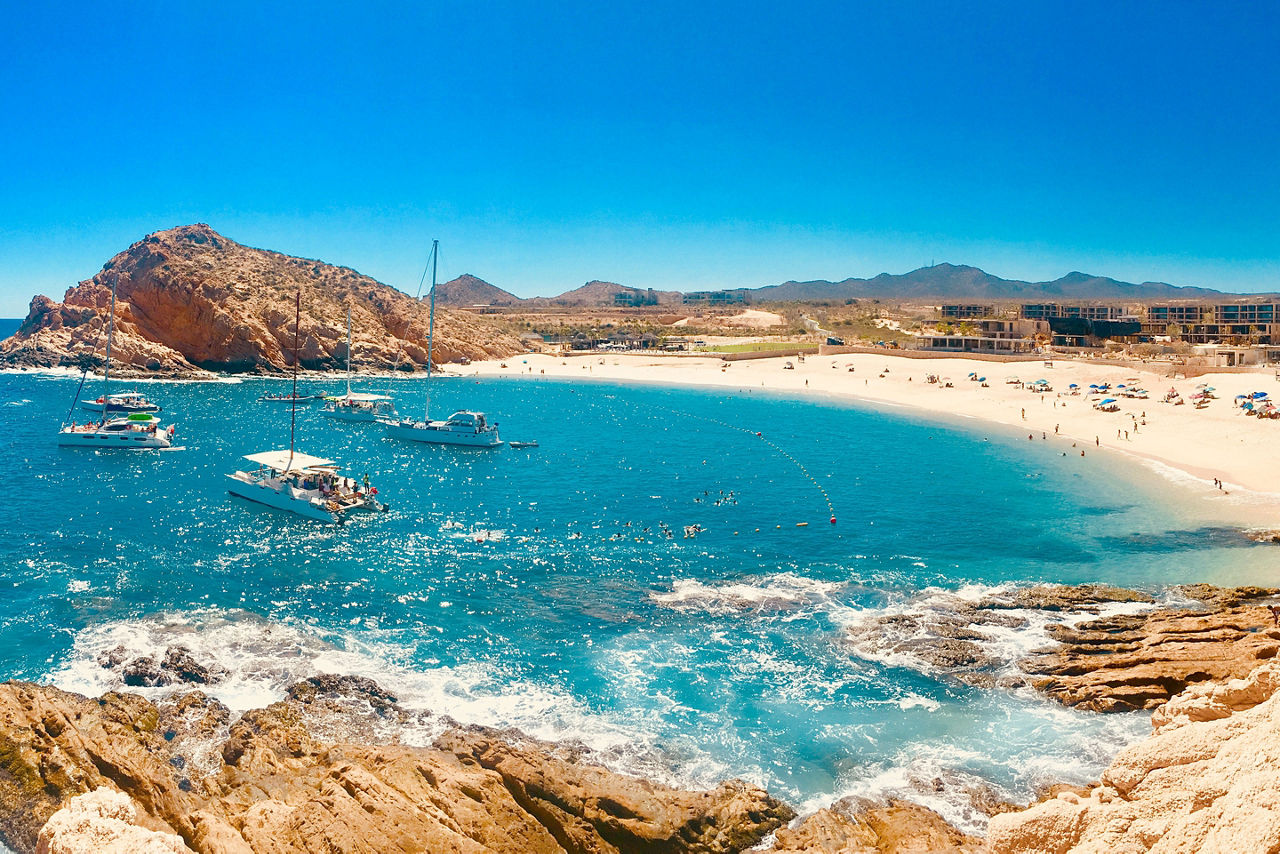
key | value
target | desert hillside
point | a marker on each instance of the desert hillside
(188, 298)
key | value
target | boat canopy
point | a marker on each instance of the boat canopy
(279, 460)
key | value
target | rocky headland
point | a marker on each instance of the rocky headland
(189, 300)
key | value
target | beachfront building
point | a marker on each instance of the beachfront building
(1240, 322)
(1052, 310)
(966, 312)
(989, 335)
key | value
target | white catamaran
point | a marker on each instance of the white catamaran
(461, 428)
(358, 406)
(300, 483)
(130, 431)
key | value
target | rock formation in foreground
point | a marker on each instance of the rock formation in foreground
(189, 298)
(321, 771)
(103, 822)
(1139, 661)
(1208, 779)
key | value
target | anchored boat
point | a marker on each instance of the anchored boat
(300, 483)
(303, 484)
(137, 430)
(357, 406)
(461, 428)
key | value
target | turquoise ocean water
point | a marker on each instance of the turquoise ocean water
(539, 589)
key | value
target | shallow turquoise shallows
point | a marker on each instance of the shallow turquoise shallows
(554, 588)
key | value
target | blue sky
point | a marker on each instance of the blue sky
(682, 146)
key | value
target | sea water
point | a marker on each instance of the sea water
(658, 579)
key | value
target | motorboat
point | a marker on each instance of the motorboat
(121, 401)
(461, 428)
(139, 430)
(303, 484)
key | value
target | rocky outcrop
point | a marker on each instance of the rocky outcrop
(103, 822)
(1139, 661)
(1208, 779)
(322, 771)
(189, 298)
(861, 828)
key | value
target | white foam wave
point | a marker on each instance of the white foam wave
(897, 634)
(263, 658)
(779, 592)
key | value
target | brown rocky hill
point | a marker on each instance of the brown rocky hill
(598, 293)
(471, 290)
(190, 298)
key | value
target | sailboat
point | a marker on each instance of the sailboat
(300, 483)
(132, 431)
(464, 427)
(357, 406)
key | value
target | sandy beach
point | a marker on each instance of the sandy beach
(1216, 442)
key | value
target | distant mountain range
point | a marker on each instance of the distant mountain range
(934, 283)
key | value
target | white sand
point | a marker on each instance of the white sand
(1218, 441)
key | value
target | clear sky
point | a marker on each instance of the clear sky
(666, 145)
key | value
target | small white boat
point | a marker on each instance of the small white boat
(135, 431)
(120, 402)
(523, 444)
(460, 428)
(303, 484)
(356, 406)
(289, 398)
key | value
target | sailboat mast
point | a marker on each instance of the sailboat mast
(348, 353)
(431, 327)
(111, 329)
(293, 404)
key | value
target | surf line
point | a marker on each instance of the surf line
(831, 509)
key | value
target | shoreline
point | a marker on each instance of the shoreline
(1216, 442)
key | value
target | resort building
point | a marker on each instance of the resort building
(1052, 310)
(989, 336)
(1244, 322)
(965, 312)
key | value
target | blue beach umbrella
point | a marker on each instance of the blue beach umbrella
(1109, 400)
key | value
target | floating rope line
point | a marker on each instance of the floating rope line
(759, 435)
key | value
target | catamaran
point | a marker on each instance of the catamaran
(300, 483)
(461, 428)
(357, 406)
(133, 431)
(303, 484)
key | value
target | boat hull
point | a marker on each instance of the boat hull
(280, 498)
(124, 440)
(437, 436)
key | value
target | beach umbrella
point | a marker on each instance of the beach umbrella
(982, 379)
(1259, 395)
(1073, 385)
(1109, 400)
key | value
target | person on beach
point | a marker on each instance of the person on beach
(1024, 414)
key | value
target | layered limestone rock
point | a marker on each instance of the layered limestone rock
(1139, 661)
(103, 822)
(321, 771)
(189, 298)
(1208, 779)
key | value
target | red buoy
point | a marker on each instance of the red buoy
(833, 520)
(757, 433)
